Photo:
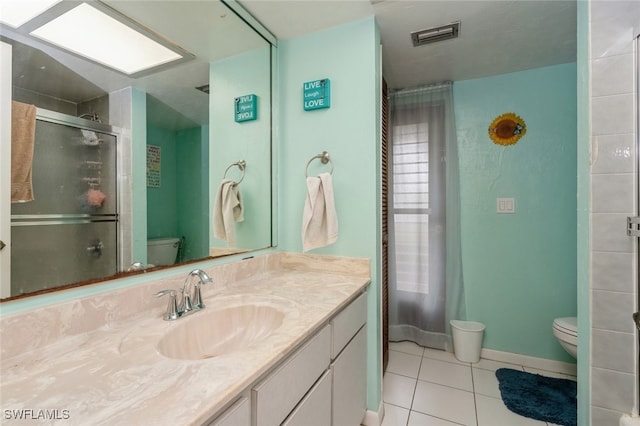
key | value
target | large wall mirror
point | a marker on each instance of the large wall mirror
(135, 168)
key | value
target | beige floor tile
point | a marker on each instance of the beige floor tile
(485, 382)
(406, 347)
(493, 412)
(446, 373)
(398, 390)
(445, 402)
(419, 419)
(488, 364)
(444, 394)
(404, 364)
(442, 356)
(395, 416)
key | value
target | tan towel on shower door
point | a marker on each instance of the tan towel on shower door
(23, 131)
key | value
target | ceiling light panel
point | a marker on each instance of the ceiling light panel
(17, 12)
(100, 37)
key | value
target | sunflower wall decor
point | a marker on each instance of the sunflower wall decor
(507, 129)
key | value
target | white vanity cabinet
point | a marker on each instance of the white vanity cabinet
(239, 414)
(348, 366)
(315, 408)
(323, 383)
(278, 394)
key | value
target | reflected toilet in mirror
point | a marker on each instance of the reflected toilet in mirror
(162, 251)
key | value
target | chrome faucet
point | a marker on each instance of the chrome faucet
(203, 278)
(189, 301)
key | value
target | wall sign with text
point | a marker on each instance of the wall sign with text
(246, 108)
(316, 94)
(153, 166)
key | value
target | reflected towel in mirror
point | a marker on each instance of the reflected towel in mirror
(227, 210)
(319, 219)
(23, 135)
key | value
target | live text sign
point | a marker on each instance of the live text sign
(316, 94)
(246, 108)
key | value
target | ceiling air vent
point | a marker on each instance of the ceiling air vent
(435, 34)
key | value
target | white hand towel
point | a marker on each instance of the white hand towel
(319, 219)
(227, 210)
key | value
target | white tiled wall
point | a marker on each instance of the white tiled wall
(614, 354)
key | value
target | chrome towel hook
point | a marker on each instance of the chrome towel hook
(324, 158)
(242, 165)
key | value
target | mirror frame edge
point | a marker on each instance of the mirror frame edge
(66, 295)
(15, 306)
(250, 20)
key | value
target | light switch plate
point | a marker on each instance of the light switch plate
(506, 205)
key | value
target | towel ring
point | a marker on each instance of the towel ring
(242, 165)
(324, 158)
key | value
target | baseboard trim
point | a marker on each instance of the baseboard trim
(629, 420)
(531, 361)
(372, 418)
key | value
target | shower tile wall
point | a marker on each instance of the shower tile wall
(613, 291)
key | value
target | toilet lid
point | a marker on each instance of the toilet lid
(567, 325)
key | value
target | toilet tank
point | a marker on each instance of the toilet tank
(162, 251)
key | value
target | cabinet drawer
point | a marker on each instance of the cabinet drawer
(347, 323)
(239, 414)
(276, 396)
(315, 408)
(350, 382)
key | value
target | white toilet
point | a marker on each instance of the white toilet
(566, 331)
(162, 251)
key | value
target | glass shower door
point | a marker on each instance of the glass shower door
(69, 232)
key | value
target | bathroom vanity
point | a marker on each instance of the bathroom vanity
(320, 384)
(288, 347)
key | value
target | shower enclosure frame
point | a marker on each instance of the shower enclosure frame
(636, 91)
(54, 117)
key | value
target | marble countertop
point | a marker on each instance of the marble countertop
(115, 375)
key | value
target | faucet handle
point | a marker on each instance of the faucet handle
(172, 308)
(197, 297)
(186, 304)
(194, 300)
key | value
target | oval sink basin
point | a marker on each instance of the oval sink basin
(213, 333)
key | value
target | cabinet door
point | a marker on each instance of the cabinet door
(347, 323)
(276, 396)
(350, 382)
(239, 414)
(315, 408)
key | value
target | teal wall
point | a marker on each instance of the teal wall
(180, 206)
(583, 216)
(349, 56)
(519, 269)
(250, 141)
(192, 196)
(162, 217)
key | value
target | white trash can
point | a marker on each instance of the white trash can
(467, 339)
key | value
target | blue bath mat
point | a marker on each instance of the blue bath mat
(539, 397)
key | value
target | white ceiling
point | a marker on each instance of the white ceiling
(496, 37)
